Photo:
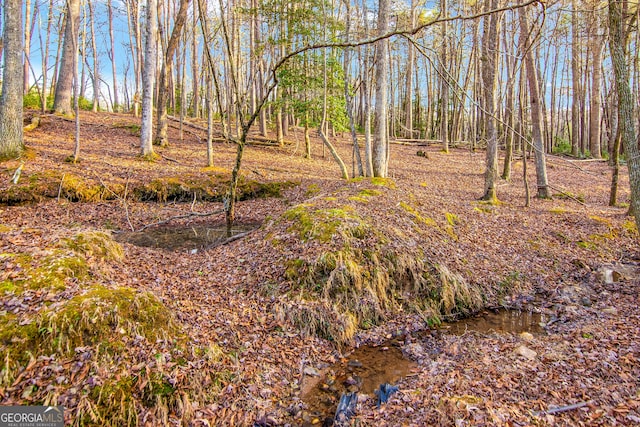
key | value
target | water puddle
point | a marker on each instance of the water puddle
(371, 366)
(363, 371)
(499, 321)
(190, 237)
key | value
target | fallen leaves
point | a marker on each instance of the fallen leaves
(224, 297)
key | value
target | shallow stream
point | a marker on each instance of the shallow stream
(368, 367)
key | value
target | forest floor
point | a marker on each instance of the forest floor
(240, 357)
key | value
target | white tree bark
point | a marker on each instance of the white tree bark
(380, 138)
(148, 81)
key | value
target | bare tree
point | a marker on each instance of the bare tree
(95, 75)
(112, 53)
(380, 139)
(64, 83)
(618, 34)
(148, 81)
(489, 60)
(536, 110)
(11, 144)
(166, 70)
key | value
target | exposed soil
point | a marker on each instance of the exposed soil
(558, 255)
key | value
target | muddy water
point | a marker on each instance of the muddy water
(370, 366)
(363, 371)
(500, 321)
(190, 237)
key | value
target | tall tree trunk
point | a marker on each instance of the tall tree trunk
(64, 85)
(444, 84)
(194, 69)
(536, 110)
(408, 97)
(45, 57)
(162, 137)
(11, 144)
(509, 111)
(148, 81)
(27, 44)
(96, 63)
(576, 86)
(366, 109)
(209, 117)
(349, 97)
(627, 124)
(489, 60)
(380, 139)
(594, 98)
(112, 52)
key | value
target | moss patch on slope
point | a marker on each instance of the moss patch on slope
(104, 351)
(361, 265)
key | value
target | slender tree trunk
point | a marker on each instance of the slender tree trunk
(307, 138)
(162, 137)
(366, 88)
(11, 144)
(96, 63)
(444, 82)
(27, 45)
(112, 52)
(536, 113)
(627, 121)
(408, 98)
(64, 83)
(576, 86)
(349, 97)
(148, 80)
(209, 119)
(490, 43)
(194, 70)
(380, 140)
(83, 53)
(45, 57)
(509, 111)
(615, 161)
(594, 98)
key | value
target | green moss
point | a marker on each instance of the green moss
(133, 128)
(103, 315)
(558, 210)
(369, 193)
(359, 199)
(312, 190)
(8, 286)
(114, 404)
(486, 206)
(630, 227)
(349, 288)
(383, 182)
(95, 244)
(566, 195)
(54, 184)
(585, 244)
(310, 223)
(452, 219)
(416, 216)
(50, 272)
(207, 188)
